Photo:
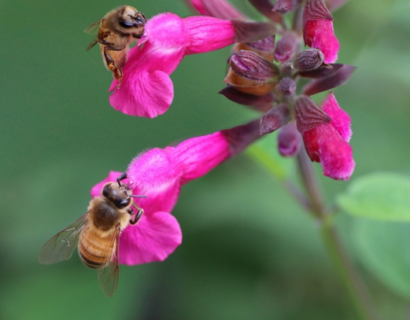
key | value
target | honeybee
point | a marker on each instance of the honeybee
(96, 234)
(117, 30)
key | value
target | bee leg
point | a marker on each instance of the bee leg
(121, 177)
(117, 71)
(138, 216)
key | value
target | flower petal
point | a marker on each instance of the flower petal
(144, 94)
(340, 118)
(153, 238)
(204, 34)
(319, 34)
(217, 8)
(198, 156)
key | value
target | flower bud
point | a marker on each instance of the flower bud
(286, 47)
(265, 7)
(259, 103)
(309, 60)
(286, 69)
(309, 115)
(289, 140)
(285, 6)
(287, 86)
(251, 73)
(264, 47)
(274, 119)
(252, 66)
(252, 31)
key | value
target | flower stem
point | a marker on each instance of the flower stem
(347, 272)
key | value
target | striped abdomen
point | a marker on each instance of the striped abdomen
(96, 247)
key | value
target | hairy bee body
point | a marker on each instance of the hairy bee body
(97, 242)
(96, 234)
(117, 30)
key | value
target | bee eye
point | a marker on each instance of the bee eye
(126, 24)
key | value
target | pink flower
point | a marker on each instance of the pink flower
(318, 30)
(147, 90)
(328, 143)
(159, 175)
(217, 8)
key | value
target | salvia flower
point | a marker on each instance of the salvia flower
(327, 141)
(318, 29)
(159, 175)
(147, 90)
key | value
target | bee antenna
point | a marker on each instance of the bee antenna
(137, 196)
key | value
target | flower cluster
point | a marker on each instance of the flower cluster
(159, 175)
(264, 72)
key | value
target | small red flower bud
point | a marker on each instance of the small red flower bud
(287, 86)
(286, 47)
(308, 60)
(274, 119)
(335, 79)
(309, 115)
(252, 31)
(289, 140)
(259, 103)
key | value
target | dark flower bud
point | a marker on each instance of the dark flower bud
(252, 66)
(259, 103)
(274, 119)
(264, 47)
(289, 140)
(239, 138)
(286, 47)
(309, 115)
(286, 69)
(265, 7)
(252, 31)
(308, 60)
(285, 6)
(287, 86)
(335, 79)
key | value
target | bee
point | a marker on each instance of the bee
(117, 30)
(96, 234)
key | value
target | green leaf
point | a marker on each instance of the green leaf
(384, 250)
(382, 196)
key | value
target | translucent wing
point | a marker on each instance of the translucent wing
(92, 29)
(63, 244)
(108, 276)
(92, 43)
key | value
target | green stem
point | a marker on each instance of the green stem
(347, 272)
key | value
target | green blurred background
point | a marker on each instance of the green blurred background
(249, 251)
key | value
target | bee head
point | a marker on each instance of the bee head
(117, 194)
(130, 17)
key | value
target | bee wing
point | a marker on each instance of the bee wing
(108, 276)
(92, 29)
(63, 244)
(92, 43)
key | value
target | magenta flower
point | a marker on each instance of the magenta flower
(147, 90)
(318, 30)
(159, 174)
(327, 143)
(217, 8)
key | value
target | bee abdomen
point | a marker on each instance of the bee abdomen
(93, 252)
